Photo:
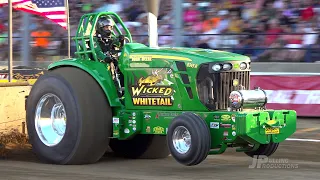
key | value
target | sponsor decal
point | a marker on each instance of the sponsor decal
(158, 130)
(148, 129)
(116, 133)
(225, 133)
(115, 120)
(214, 125)
(167, 114)
(149, 57)
(225, 117)
(126, 130)
(147, 116)
(140, 58)
(233, 117)
(225, 125)
(235, 98)
(216, 117)
(191, 65)
(147, 92)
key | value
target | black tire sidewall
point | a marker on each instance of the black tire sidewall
(195, 147)
(132, 148)
(59, 87)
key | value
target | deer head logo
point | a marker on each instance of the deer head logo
(151, 80)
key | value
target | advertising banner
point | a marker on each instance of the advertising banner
(300, 92)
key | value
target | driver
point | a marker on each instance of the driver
(107, 45)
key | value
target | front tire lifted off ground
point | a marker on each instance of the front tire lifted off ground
(264, 150)
(75, 127)
(189, 139)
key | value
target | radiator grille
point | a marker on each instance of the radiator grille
(214, 89)
(226, 86)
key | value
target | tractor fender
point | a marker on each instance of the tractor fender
(99, 71)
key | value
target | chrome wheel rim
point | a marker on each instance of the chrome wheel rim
(50, 119)
(181, 139)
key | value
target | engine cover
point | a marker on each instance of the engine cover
(248, 99)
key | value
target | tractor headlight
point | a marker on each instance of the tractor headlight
(227, 66)
(243, 66)
(216, 67)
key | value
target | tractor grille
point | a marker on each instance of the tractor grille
(214, 89)
(226, 86)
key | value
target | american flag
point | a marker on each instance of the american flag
(55, 10)
(14, 2)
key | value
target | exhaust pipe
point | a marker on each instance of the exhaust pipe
(152, 7)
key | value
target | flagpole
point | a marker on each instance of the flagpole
(10, 41)
(68, 26)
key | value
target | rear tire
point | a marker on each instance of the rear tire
(141, 146)
(88, 117)
(264, 150)
(196, 135)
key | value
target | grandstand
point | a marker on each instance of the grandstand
(265, 30)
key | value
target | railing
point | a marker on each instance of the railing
(251, 44)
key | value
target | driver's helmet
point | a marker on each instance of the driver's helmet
(105, 26)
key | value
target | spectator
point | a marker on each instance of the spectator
(308, 13)
(235, 24)
(191, 14)
(272, 32)
(211, 20)
(200, 17)
(40, 42)
(223, 24)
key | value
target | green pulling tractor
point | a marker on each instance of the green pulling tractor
(187, 102)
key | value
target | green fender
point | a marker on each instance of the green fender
(99, 71)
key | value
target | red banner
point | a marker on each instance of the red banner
(299, 92)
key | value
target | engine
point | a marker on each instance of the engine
(248, 99)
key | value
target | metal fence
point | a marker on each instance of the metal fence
(260, 47)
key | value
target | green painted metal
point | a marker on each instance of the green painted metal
(160, 84)
(227, 128)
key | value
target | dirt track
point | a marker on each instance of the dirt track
(230, 165)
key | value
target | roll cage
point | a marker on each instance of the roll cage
(86, 30)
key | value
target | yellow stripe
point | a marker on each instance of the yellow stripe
(171, 57)
(31, 81)
(161, 57)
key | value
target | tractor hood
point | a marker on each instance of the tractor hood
(209, 54)
(196, 55)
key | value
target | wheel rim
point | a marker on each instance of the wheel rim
(181, 139)
(50, 119)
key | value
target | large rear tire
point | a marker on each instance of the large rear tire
(141, 147)
(83, 118)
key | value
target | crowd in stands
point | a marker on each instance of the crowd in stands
(249, 27)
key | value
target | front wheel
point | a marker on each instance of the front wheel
(264, 150)
(189, 139)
